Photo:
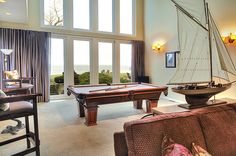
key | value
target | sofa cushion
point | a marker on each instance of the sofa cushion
(144, 137)
(11, 74)
(170, 148)
(219, 129)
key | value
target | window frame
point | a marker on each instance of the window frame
(119, 43)
(133, 20)
(113, 58)
(51, 26)
(113, 19)
(93, 21)
(90, 18)
(64, 65)
(90, 54)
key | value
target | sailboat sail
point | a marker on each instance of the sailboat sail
(194, 61)
(195, 8)
(225, 61)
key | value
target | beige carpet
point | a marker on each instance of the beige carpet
(62, 132)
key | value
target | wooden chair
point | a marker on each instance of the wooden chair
(20, 107)
(26, 83)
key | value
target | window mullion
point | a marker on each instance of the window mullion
(68, 15)
(134, 15)
(116, 17)
(94, 15)
(116, 62)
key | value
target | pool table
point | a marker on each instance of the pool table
(90, 96)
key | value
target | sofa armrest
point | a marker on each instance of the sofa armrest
(120, 145)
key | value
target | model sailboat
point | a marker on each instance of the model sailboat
(203, 55)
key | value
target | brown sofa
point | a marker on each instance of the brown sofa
(213, 128)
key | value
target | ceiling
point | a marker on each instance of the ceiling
(14, 11)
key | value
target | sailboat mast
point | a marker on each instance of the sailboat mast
(209, 34)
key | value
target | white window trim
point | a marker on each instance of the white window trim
(90, 55)
(64, 65)
(113, 57)
(118, 46)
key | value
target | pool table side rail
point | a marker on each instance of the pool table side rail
(116, 92)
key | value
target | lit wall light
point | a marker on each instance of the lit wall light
(229, 38)
(157, 46)
(2, 1)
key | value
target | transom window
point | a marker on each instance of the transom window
(103, 16)
(81, 14)
(126, 16)
(53, 12)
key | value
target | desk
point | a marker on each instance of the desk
(90, 96)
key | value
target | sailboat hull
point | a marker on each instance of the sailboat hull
(201, 95)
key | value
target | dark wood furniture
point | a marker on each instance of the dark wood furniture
(20, 107)
(90, 96)
(26, 83)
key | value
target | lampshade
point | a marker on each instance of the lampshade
(6, 51)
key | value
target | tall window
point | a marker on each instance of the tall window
(126, 17)
(81, 14)
(57, 66)
(81, 62)
(53, 12)
(105, 62)
(125, 62)
(105, 15)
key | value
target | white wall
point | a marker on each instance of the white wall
(160, 24)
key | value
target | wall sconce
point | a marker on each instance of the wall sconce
(157, 46)
(229, 39)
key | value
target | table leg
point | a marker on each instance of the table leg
(80, 109)
(91, 116)
(150, 104)
(138, 104)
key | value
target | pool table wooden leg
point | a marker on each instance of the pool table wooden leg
(91, 116)
(150, 104)
(80, 109)
(138, 104)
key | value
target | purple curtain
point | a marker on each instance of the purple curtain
(30, 56)
(137, 64)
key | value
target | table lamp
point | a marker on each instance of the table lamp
(6, 52)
